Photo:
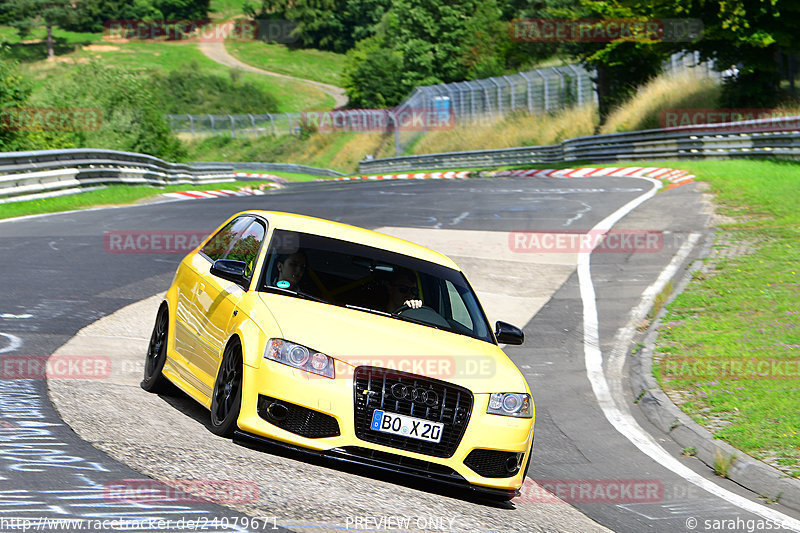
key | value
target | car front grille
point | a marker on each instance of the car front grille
(299, 420)
(493, 463)
(453, 408)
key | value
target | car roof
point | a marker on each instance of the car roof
(346, 232)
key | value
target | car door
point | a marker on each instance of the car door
(191, 282)
(217, 300)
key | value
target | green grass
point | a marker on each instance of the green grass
(291, 96)
(227, 8)
(113, 195)
(310, 64)
(291, 176)
(746, 308)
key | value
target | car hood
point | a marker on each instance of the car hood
(360, 338)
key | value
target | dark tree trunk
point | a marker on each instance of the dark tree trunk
(50, 53)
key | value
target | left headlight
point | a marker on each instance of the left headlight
(300, 357)
(510, 404)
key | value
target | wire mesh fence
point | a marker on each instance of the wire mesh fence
(537, 91)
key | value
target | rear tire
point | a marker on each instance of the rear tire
(226, 399)
(154, 381)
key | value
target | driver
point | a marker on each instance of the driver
(402, 291)
(291, 268)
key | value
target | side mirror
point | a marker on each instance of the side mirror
(508, 334)
(231, 270)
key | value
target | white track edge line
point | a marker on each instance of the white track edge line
(624, 423)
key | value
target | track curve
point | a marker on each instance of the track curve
(75, 282)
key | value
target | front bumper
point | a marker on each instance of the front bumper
(334, 399)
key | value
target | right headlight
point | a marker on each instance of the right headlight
(299, 356)
(510, 404)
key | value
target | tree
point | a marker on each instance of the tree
(420, 42)
(24, 15)
(621, 65)
(334, 25)
(14, 93)
(751, 35)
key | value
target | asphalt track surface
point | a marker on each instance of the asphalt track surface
(58, 278)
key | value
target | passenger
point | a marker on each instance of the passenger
(402, 291)
(291, 268)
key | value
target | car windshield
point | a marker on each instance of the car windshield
(373, 280)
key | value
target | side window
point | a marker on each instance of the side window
(459, 310)
(219, 244)
(247, 246)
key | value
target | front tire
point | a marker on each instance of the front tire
(154, 380)
(226, 399)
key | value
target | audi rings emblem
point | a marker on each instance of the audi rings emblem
(417, 395)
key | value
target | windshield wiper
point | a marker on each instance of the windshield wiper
(368, 310)
(423, 323)
(296, 293)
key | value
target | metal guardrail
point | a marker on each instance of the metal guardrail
(271, 167)
(778, 138)
(39, 173)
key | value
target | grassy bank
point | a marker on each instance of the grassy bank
(164, 56)
(112, 195)
(743, 309)
(310, 64)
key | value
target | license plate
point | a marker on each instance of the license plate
(406, 426)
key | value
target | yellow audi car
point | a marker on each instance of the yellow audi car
(347, 343)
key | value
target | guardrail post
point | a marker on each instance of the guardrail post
(233, 126)
(211, 117)
(252, 123)
(191, 123)
(272, 123)
(511, 90)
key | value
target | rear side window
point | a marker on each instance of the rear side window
(224, 239)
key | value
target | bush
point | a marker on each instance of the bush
(132, 111)
(190, 90)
